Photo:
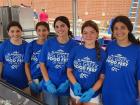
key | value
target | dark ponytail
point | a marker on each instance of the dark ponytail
(133, 39)
(98, 53)
(70, 34)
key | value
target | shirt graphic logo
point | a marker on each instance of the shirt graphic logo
(85, 66)
(117, 62)
(14, 59)
(35, 56)
(58, 58)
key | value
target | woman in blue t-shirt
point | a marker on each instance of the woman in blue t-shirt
(33, 50)
(84, 68)
(12, 57)
(122, 69)
(53, 59)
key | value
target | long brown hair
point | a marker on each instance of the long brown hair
(92, 24)
(65, 20)
(125, 20)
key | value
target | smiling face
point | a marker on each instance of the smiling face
(120, 31)
(61, 29)
(42, 32)
(89, 35)
(15, 33)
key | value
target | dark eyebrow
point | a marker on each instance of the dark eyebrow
(62, 24)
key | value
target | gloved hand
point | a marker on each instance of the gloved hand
(87, 95)
(63, 87)
(49, 86)
(40, 86)
(34, 88)
(77, 89)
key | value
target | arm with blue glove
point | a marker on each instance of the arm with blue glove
(76, 85)
(63, 87)
(40, 86)
(77, 89)
(86, 96)
(47, 85)
(34, 88)
(50, 87)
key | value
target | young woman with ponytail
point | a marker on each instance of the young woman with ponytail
(53, 59)
(84, 68)
(122, 69)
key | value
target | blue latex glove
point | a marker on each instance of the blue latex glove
(40, 86)
(49, 86)
(87, 95)
(63, 87)
(34, 88)
(77, 89)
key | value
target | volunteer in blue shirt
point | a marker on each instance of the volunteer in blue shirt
(33, 50)
(12, 53)
(122, 74)
(53, 59)
(85, 67)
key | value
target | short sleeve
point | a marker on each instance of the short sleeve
(28, 53)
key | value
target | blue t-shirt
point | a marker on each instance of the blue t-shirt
(121, 75)
(55, 57)
(31, 56)
(12, 57)
(86, 68)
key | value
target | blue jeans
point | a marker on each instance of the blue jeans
(52, 99)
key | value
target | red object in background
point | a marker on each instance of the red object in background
(43, 17)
